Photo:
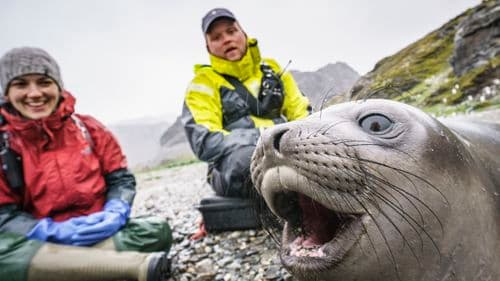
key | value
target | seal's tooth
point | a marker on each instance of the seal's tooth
(271, 185)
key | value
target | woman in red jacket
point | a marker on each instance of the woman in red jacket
(65, 190)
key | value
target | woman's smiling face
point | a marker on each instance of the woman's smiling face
(34, 96)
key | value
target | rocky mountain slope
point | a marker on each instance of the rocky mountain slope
(455, 68)
(329, 81)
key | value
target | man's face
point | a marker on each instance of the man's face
(225, 39)
(34, 96)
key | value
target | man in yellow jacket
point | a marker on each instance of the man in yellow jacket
(228, 102)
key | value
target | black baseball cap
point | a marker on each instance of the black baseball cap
(214, 14)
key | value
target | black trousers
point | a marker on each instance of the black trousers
(230, 176)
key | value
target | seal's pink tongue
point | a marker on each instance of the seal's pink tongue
(318, 222)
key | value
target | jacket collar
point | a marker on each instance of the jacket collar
(246, 67)
(32, 128)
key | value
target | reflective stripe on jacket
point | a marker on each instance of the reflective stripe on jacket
(210, 99)
(64, 174)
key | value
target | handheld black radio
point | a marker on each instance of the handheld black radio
(271, 93)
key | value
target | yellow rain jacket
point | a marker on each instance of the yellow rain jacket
(217, 119)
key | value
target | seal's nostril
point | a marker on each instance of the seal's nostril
(277, 139)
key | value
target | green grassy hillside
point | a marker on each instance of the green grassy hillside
(423, 75)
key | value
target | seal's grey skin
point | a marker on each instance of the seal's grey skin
(378, 190)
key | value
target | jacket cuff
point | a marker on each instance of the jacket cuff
(121, 185)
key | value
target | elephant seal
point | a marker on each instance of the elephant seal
(379, 190)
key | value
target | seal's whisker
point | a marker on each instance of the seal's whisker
(355, 143)
(402, 174)
(330, 126)
(323, 100)
(327, 128)
(405, 240)
(372, 245)
(380, 181)
(331, 200)
(405, 215)
(379, 228)
(323, 129)
(312, 133)
(272, 224)
(407, 173)
(382, 145)
(316, 132)
(402, 190)
(413, 185)
(384, 182)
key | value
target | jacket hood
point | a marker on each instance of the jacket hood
(243, 68)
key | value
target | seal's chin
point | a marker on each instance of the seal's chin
(315, 237)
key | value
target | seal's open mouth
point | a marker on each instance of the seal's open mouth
(315, 237)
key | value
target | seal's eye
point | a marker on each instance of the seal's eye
(375, 123)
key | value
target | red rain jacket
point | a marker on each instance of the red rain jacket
(63, 171)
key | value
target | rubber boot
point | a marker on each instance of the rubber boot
(156, 268)
(59, 262)
(159, 266)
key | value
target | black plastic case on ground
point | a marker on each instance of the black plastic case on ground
(225, 213)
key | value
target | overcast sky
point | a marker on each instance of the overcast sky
(127, 59)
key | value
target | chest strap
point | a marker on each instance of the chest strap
(85, 132)
(245, 94)
(270, 97)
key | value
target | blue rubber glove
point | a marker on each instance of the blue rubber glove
(102, 225)
(57, 232)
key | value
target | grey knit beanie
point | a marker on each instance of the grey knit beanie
(27, 60)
